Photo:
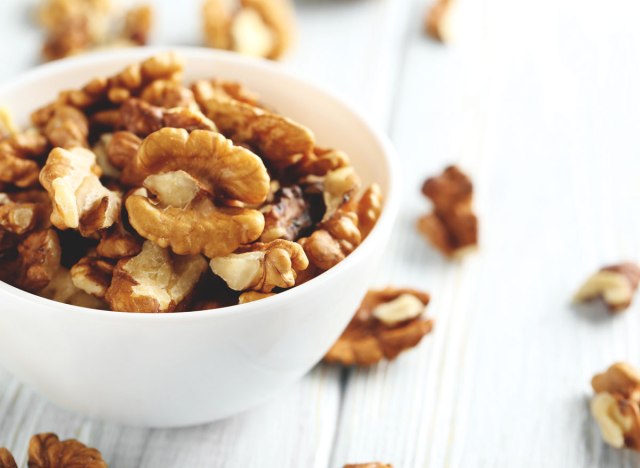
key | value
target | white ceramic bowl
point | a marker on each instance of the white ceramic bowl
(181, 369)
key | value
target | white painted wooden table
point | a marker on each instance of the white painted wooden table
(539, 100)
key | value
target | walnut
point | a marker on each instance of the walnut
(616, 405)
(122, 148)
(7, 127)
(388, 322)
(62, 289)
(452, 227)
(168, 94)
(287, 216)
(137, 24)
(437, 21)
(92, 275)
(369, 465)
(15, 168)
(339, 187)
(142, 118)
(262, 267)
(109, 118)
(615, 285)
(67, 128)
(48, 451)
(320, 162)
(369, 209)
(203, 90)
(279, 140)
(221, 168)
(262, 28)
(118, 242)
(252, 296)
(6, 459)
(23, 212)
(102, 158)
(194, 225)
(38, 260)
(331, 244)
(79, 200)
(154, 280)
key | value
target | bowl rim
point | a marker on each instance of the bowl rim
(387, 217)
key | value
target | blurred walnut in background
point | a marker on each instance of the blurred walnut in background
(261, 28)
(76, 26)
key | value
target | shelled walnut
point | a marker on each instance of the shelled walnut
(127, 187)
(48, 451)
(616, 405)
(437, 21)
(452, 227)
(262, 28)
(369, 465)
(387, 322)
(615, 285)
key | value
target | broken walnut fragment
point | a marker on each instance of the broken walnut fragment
(452, 227)
(262, 28)
(369, 465)
(437, 22)
(615, 285)
(387, 322)
(92, 275)
(287, 216)
(79, 199)
(154, 280)
(262, 267)
(141, 118)
(48, 451)
(616, 405)
(6, 459)
(183, 217)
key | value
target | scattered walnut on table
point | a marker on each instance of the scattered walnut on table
(437, 20)
(154, 280)
(452, 227)
(262, 28)
(48, 451)
(138, 22)
(615, 285)
(387, 322)
(369, 465)
(262, 267)
(6, 459)
(79, 199)
(616, 405)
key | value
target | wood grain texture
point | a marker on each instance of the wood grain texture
(537, 100)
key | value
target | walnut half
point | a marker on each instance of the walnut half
(6, 459)
(615, 285)
(48, 451)
(387, 322)
(616, 405)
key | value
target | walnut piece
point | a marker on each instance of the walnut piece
(262, 28)
(154, 280)
(203, 90)
(7, 127)
(339, 187)
(320, 162)
(122, 148)
(168, 94)
(615, 285)
(22, 212)
(6, 459)
(92, 275)
(278, 139)
(67, 128)
(369, 465)
(369, 209)
(141, 118)
(337, 238)
(452, 227)
(118, 242)
(62, 289)
(616, 405)
(48, 451)
(437, 22)
(262, 267)
(16, 152)
(287, 216)
(387, 322)
(184, 217)
(38, 260)
(79, 200)
(138, 22)
(222, 169)
(252, 296)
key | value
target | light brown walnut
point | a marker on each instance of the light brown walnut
(7, 126)
(388, 322)
(337, 238)
(321, 162)
(252, 296)
(339, 189)
(79, 199)
(437, 20)
(369, 209)
(92, 275)
(616, 405)
(122, 148)
(62, 289)
(138, 22)
(17, 154)
(223, 169)
(278, 139)
(452, 227)
(6, 459)
(614, 284)
(154, 280)
(22, 212)
(48, 451)
(67, 128)
(262, 267)
(168, 94)
(369, 465)
(117, 242)
(263, 28)
(203, 90)
(38, 260)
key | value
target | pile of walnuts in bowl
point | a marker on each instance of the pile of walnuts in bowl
(137, 193)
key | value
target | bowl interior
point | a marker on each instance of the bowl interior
(334, 123)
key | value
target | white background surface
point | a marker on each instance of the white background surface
(540, 102)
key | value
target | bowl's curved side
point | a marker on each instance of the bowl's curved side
(181, 369)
